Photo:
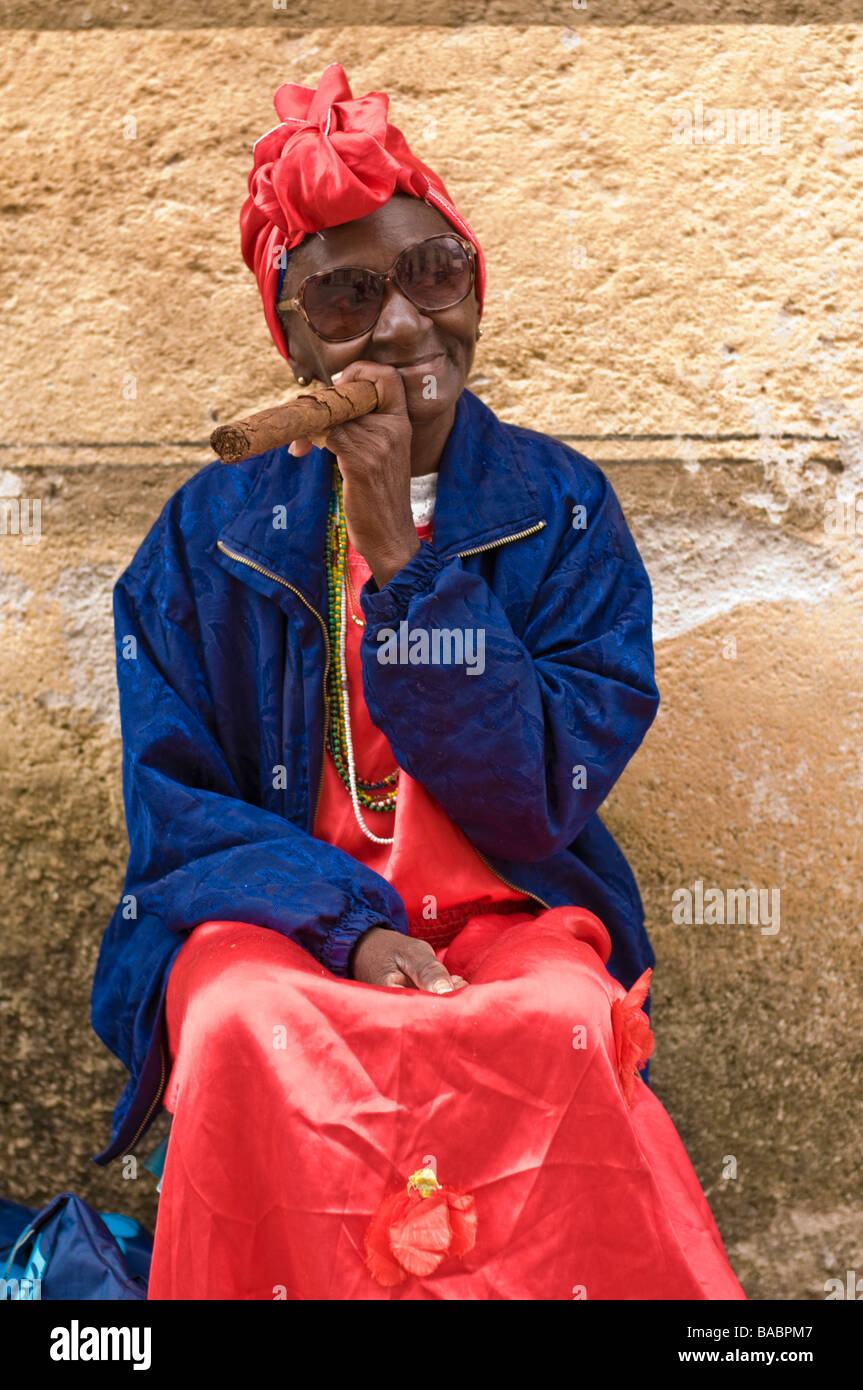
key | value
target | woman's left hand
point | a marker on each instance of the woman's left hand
(384, 957)
(374, 458)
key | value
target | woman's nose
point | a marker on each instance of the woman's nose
(400, 320)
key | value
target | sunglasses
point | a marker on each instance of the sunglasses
(345, 303)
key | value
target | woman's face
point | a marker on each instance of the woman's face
(433, 351)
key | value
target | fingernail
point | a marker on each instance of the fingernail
(335, 376)
(441, 987)
(290, 448)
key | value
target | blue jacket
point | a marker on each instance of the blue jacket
(221, 656)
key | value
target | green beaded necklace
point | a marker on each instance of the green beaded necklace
(374, 796)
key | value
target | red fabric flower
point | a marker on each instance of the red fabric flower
(633, 1038)
(415, 1229)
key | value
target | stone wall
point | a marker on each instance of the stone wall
(687, 314)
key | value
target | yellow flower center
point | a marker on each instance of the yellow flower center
(424, 1182)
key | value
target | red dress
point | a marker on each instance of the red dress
(302, 1101)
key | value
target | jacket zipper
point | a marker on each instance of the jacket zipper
(475, 550)
(278, 579)
(531, 531)
(490, 545)
(507, 881)
(155, 1101)
(241, 559)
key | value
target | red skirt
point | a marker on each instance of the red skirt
(301, 1101)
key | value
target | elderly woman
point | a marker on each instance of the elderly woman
(376, 953)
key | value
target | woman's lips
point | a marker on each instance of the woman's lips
(424, 365)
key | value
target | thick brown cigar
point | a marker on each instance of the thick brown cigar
(306, 417)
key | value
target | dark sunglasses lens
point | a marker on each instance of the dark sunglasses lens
(342, 303)
(435, 274)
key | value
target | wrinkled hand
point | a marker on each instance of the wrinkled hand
(374, 458)
(384, 957)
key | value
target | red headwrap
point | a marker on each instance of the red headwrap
(331, 159)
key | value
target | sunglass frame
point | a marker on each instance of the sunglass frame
(384, 278)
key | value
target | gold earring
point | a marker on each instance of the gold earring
(302, 381)
(478, 334)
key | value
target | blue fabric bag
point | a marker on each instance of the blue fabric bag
(69, 1251)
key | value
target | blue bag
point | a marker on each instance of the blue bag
(69, 1251)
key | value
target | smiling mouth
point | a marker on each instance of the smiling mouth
(420, 362)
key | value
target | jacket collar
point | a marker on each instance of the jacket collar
(484, 496)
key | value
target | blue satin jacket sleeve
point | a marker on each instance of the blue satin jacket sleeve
(198, 850)
(527, 749)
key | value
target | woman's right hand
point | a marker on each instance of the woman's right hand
(374, 458)
(384, 957)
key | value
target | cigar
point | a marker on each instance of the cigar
(309, 416)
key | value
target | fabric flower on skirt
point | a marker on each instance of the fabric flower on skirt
(633, 1037)
(416, 1228)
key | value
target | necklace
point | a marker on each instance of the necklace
(354, 603)
(374, 796)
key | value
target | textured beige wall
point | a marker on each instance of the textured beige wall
(689, 316)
